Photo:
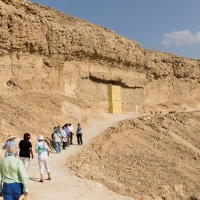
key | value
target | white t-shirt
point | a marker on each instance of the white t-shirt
(64, 135)
(71, 128)
(57, 137)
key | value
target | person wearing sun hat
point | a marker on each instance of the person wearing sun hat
(43, 153)
(13, 176)
(10, 141)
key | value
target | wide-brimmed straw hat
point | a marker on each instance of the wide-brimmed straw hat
(24, 197)
(40, 137)
(11, 137)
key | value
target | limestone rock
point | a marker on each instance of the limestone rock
(31, 33)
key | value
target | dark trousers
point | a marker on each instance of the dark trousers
(79, 139)
(70, 138)
(12, 191)
(64, 145)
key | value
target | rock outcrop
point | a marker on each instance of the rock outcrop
(47, 52)
(153, 157)
(55, 67)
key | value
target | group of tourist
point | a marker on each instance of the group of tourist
(65, 136)
(13, 171)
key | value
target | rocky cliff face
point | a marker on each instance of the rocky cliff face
(55, 68)
(45, 50)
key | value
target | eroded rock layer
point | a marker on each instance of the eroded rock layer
(56, 68)
(44, 49)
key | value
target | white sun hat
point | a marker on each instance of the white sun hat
(12, 137)
(40, 137)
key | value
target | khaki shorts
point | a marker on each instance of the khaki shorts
(26, 161)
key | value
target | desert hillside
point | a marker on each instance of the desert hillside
(55, 68)
(152, 157)
(44, 51)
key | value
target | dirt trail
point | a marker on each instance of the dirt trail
(65, 184)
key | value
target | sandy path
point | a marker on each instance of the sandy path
(65, 184)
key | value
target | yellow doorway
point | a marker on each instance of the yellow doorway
(114, 99)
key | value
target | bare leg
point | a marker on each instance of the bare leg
(42, 177)
(49, 175)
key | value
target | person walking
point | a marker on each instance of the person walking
(68, 134)
(9, 141)
(64, 137)
(79, 135)
(43, 157)
(25, 147)
(54, 129)
(57, 140)
(13, 176)
(59, 131)
(71, 129)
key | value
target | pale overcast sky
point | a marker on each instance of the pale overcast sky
(164, 25)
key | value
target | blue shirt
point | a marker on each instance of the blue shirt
(42, 148)
(8, 144)
(67, 131)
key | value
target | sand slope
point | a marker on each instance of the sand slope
(65, 184)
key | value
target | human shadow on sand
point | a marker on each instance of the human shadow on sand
(33, 179)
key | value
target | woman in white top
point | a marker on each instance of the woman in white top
(64, 137)
(57, 140)
(43, 153)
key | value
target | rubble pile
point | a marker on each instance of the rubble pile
(154, 157)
